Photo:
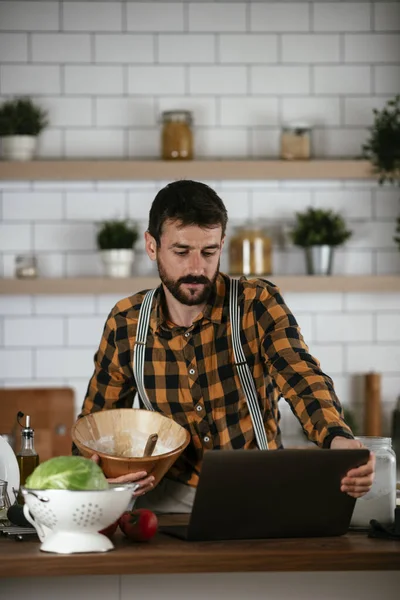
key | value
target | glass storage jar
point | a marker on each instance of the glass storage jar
(296, 141)
(26, 266)
(250, 252)
(177, 137)
(380, 502)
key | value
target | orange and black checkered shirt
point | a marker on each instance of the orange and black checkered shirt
(190, 375)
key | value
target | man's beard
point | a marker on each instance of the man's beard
(190, 297)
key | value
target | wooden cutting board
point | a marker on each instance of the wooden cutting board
(52, 413)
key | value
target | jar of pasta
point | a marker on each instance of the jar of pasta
(250, 252)
(296, 141)
(177, 137)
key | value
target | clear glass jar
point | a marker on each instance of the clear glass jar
(250, 252)
(26, 267)
(296, 141)
(177, 137)
(380, 502)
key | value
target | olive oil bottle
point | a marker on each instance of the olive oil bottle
(27, 457)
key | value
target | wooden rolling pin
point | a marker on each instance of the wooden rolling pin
(150, 444)
(373, 408)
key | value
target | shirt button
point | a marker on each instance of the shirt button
(199, 408)
(192, 371)
(206, 438)
(187, 334)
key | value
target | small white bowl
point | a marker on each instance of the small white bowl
(69, 521)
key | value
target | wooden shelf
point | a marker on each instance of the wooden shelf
(99, 285)
(129, 170)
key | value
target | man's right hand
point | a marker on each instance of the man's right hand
(146, 482)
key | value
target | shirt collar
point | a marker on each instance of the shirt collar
(215, 311)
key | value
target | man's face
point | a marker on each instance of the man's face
(187, 260)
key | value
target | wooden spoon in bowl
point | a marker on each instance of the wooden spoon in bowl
(150, 444)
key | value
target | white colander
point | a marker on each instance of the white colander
(69, 521)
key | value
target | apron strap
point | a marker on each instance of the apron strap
(139, 350)
(243, 368)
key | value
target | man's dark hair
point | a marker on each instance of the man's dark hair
(191, 202)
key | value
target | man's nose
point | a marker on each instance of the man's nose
(196, 263)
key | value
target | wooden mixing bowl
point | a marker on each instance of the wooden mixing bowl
(116, 424)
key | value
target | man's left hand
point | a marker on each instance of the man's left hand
(357, 482)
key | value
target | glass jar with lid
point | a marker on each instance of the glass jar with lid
(296, 141)
(176, 136)
(380, 502)
(250, 252)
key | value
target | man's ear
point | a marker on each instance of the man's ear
(150, 245)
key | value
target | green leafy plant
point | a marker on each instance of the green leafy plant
(21, 116)
(318, 227)
(383, 146)
(117, 234)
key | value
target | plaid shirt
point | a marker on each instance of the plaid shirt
(190, 375)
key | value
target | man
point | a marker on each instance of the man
(190, 373)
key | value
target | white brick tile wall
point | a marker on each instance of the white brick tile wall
(64, 305)
(217, 17)
(92, 16)
(35, 206)
(15, 305)
(313, 303)
(330, 356)
(346, 262)
(95, 206)
(61, 48)
(316, 111)
(155, 16)
(221, 142)
(16, 364)
(124, 48)
(342, 79)
(351, 204)
(372, 48)
(85, 331)
(372, 235)
(139, 204)
(387, 16)
(344, 328)
(306, 327)
(372, 302)
(67, 112)
(249, 49)
(91, 143)
(186, 48)
(344, 16)
(50, 144)
(279, 205)
(358, 111)
(238, 205)
(156, 80)
(48, 264)
(93, 80)
(13, 47)
(33, 332)
(340, 143)
(217, 80)
(125, 112)
(388, 327)
(387, 79)
(387, 262)
(310, 48)
(66, 362)
(280, 80)
(279, 16)
(15, 237)
(264, 142)
(84, 265)
(381, 358)
(29, 16)
(30, 79)
(250, 112)
(387, 204)
(204, 109)
(73, 236)
(144, 143)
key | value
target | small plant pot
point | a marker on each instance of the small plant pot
(118, 262)
(319, 260)
(18, 147)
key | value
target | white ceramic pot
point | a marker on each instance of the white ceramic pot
(118, 262)
(18, 147)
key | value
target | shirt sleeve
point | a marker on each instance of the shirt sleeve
(297, 374)
(112, 383)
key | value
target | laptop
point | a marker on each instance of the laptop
(256, 494)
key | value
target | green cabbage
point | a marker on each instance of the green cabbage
(67, 473)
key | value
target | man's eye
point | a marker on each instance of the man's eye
(181, 253)
(209, 253)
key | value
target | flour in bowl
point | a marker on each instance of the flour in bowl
(126, 444)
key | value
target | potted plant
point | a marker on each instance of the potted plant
(383, 146)
(116, 240)
(21, 121)
(319, 231)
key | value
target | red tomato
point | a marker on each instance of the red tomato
(110, 530)
(139, 524)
